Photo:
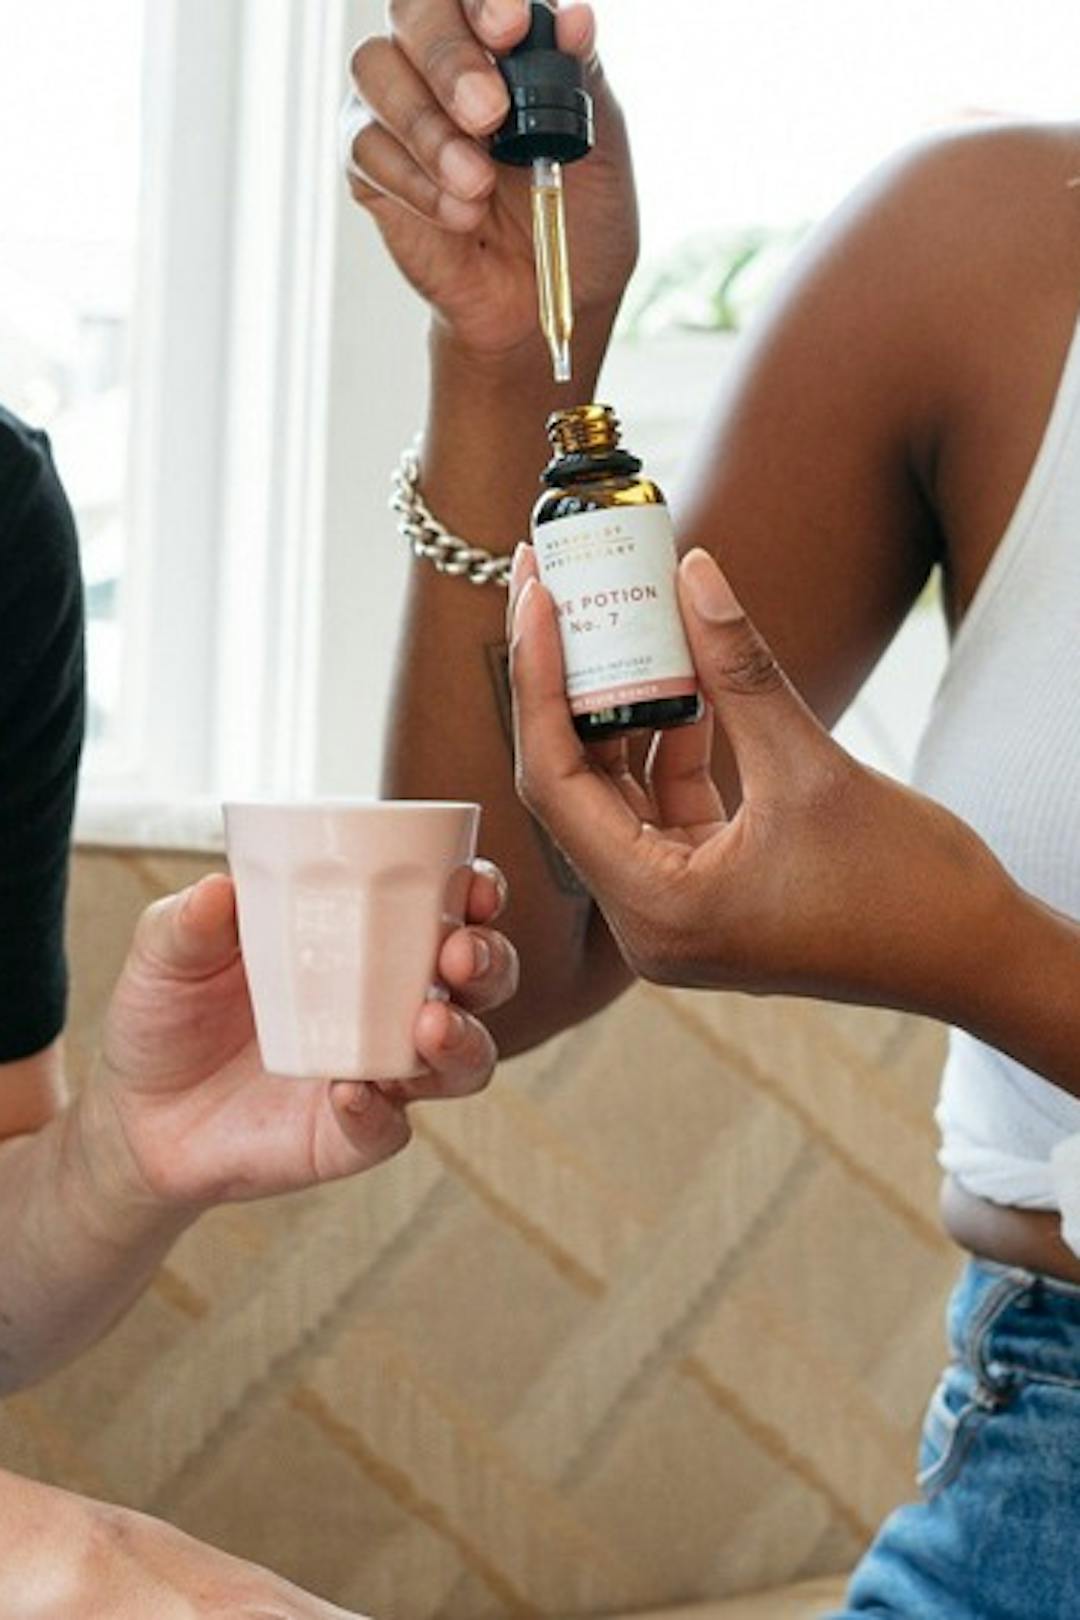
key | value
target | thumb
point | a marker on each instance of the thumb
(771, 731)
(192, 934)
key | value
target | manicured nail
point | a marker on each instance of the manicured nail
(481, 956)
(519, 603)
(480, 100)
(519, 573)
(494, 876)
(710, 593)
(518, 570)
(463, 168)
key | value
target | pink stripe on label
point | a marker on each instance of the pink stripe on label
(614, 697)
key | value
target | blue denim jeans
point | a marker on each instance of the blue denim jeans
(996, 1535)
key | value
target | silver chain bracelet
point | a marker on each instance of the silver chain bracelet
(428, 539)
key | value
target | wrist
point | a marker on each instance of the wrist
(484, 440)
(521, 375)
(1028, 1000)
(962, 924)
(101, 1176)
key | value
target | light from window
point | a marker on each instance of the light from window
(766, 112)
(70, 108)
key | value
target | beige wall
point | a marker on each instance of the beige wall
(654, 1320)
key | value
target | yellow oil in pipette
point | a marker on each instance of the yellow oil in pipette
(556, 304)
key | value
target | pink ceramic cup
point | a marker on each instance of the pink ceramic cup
(343, 908)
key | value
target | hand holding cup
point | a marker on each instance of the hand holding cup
(182, 1112)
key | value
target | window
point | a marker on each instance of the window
(229, 365)
(70, 116)
(766, 112)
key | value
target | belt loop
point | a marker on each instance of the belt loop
(993, 1380)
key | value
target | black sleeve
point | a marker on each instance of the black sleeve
(42, 704)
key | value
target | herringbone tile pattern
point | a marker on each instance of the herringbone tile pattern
(652, 1321)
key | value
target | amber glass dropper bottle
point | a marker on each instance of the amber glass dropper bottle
(606, 551)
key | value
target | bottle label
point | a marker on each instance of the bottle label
(612, 576)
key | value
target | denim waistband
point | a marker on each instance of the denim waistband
(1005, 1322)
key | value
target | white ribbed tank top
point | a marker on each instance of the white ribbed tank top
(1002, 750)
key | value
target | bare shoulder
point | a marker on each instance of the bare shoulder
(1013, 189)
(946, 245)
(953, 212)
(966, 218)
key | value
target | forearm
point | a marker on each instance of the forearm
(1025, 1001)
(79, 1250)
(484, 447)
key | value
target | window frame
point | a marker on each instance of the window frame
(255, 650)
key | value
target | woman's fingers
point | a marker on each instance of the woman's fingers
(399, 102)
(612, 757)
(614, 760)
(575, 30)
(585, 813)
(679, 774)
(425, 100)
(381, 167)
(778, 744)
(450, 46)
(523, 567)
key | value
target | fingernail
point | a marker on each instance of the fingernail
(712, 597)
(190, 898)
(481, 956)
(480, 100)
(494, 875)
(519, 603)
(518, 568)
(360, 1099)
(455, 1028)
(463, 168)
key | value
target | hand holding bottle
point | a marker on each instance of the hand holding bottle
(828, 880)
(459, 225)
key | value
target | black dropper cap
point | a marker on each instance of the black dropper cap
(551, 112)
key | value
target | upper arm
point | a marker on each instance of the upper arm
(810, 483)
(32, 1091)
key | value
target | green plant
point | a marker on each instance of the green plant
(710, 283)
